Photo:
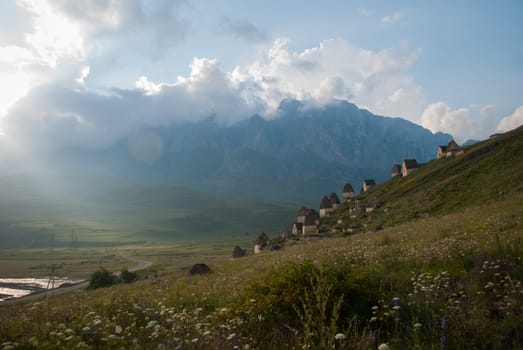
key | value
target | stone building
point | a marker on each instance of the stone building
(368, 184)
(396, 170)
(325, 206)
(451, 149)
(408, 166)
(335, 201)
(261, 243)
(348, 192)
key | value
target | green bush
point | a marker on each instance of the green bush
(306, 304)
(128, 277)
(101, 278)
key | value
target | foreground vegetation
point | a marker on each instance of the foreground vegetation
(445, 282)
(440, 277)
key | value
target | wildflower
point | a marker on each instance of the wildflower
(86, 329)
(118, 329)
(417, 325)
(232, 335)
(383, 346)
(195, 340)
(395, 299)
(339, 336)
(396, 308)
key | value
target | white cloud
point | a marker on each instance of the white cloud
(378, 80)
(487, 120)
(57, 116)
(60, 38)
(512, 121)
(441, 117)
(64, 111)
(395, 17)
(472, 122)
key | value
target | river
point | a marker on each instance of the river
(18, 287)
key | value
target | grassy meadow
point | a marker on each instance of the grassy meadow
(449, 282)
(442, 271)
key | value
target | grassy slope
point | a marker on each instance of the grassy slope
(488, 172)
(445, 271)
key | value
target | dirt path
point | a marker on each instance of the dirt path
(140, 265)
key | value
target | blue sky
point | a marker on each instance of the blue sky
(89, 72)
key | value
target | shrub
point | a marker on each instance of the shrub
(300, 298)
(128, 277)
(101, 278)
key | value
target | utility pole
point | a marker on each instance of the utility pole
(53, 267)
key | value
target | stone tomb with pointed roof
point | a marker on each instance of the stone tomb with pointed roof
(408, 166)
(396, 170)
(451, 149)
(261, 243)
(368, 184)
(348, 192)
(306, 222)
(325, 206)
(335, 201)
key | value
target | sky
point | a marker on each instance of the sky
(89, 72)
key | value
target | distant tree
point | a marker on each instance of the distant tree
(128, 277)
(101, 278)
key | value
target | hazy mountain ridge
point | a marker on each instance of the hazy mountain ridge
(293, 158)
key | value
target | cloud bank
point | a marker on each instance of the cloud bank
(69, 47)
(67, 112)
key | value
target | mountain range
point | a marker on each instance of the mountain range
(204, 179)
(293, 158)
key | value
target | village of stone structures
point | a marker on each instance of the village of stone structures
(308, 221)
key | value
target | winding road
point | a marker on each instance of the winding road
(140, 265)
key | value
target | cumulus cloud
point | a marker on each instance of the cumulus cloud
(512, 121)
(472, 122)
(158, 22)
(242, 29)
(441, 117)
(337, 69)
(74, 115)
(55, 116)
(65, 111)
(57, 40)
(487, 120)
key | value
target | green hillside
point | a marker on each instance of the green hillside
(436, 266)
(488, 172)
